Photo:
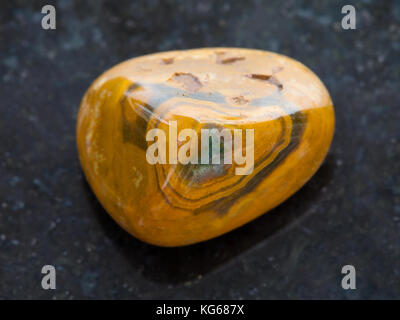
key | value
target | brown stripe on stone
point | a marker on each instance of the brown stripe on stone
(299, 120)
(134, 132)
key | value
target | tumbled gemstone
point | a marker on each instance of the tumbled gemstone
(183, 146)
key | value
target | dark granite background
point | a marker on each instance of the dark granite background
(349, 213)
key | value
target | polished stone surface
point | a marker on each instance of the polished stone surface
(349, 212)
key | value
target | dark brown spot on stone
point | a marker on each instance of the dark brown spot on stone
(230, 60)
(240, 100)
(189, 81)
(266, 77)
(167, 60)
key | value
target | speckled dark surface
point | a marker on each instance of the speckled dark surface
(349, 213)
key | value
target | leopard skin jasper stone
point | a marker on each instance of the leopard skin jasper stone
(284, 102)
